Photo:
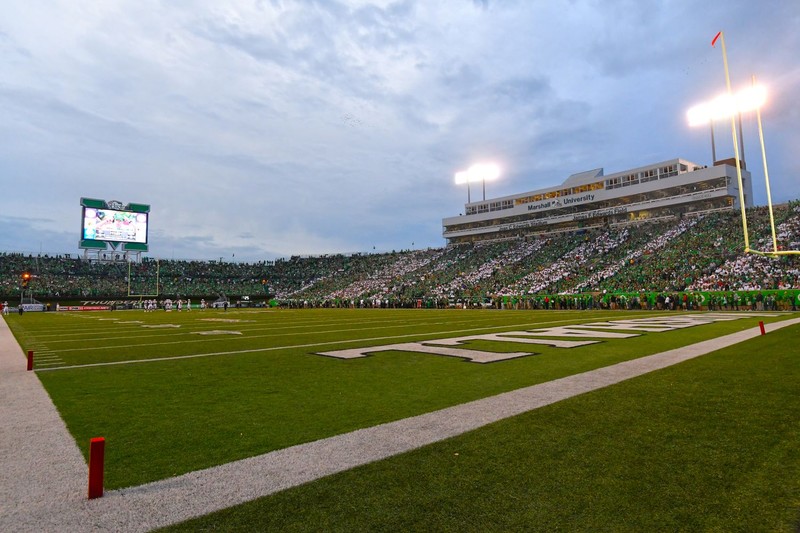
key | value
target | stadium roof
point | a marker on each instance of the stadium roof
(582, 178)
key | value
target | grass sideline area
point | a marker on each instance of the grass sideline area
(179, 408)
(706, 445)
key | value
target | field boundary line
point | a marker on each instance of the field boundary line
(194, 494)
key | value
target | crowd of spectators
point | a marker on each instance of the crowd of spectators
(569, 264)
(667, 256)
(754, 272)
(610, 268)
(60, 276)
(388, 279)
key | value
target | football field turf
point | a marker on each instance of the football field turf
(710, 443)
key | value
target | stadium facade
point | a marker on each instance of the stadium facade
(671, 188)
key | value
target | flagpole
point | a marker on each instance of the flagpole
(721, 37)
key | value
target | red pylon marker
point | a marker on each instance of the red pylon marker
(97, 448)
(761, 325)
(30, 360)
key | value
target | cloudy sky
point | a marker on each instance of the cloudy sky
(268, 128)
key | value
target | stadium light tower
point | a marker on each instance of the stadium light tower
(463, 177)
(726, 106)
(482, 172)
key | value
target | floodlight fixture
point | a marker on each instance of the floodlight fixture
(481, 172)
(478, 172)
(462, 177)
(484, 172)
(727, 105)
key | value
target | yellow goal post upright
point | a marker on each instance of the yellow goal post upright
(131, 294)
(775, 252)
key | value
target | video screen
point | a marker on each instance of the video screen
(115, 226)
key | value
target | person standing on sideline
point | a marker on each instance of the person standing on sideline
(5, 308)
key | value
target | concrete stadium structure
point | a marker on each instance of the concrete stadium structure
(671, 188)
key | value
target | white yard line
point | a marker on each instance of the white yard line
(254, 327)
(271, 325)
(115, 346)
(287, 347)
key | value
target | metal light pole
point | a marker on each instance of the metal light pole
(713, 146)
(732, 106)
(463, 177)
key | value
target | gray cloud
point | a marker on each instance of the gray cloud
(267, 128)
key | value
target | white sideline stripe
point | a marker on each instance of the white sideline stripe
(177, 499)
(40, 464)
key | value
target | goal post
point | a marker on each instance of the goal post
(775, 252)
(757, 107)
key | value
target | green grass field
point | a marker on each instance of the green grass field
(707, 444)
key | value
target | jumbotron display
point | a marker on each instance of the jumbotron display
(113, 231)
(113, 225)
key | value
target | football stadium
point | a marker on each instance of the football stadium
(603, 351)
(543, 379)
(590, 200)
